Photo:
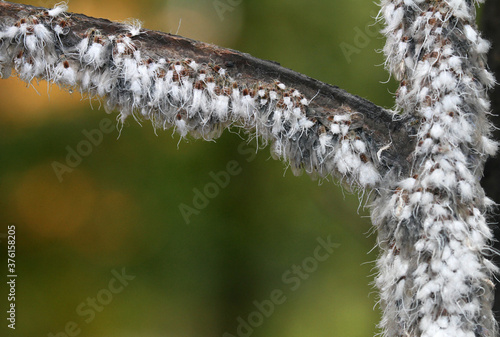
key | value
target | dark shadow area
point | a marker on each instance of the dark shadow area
(491, 179)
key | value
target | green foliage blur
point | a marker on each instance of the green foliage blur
(119, 208)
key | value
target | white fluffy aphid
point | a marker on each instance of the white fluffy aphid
(93, 49)
(64, 73)
(221, 107)
(58, 9)
(134, 28)
(435, 220)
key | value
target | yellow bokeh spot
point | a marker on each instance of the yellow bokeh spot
(109, 230)
(96, 222)
(51, 209)
(24, 104)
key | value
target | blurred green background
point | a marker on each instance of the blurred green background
(120, 207)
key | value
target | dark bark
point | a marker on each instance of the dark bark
(377, 125)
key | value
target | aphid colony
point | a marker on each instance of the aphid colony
(434, 269)
(196, 98)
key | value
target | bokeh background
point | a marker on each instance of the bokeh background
(120, 207)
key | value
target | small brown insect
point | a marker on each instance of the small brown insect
(161, 73)
(198, 85)
(64, 23)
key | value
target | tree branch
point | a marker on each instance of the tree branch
(429, 209)
(200, 88)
